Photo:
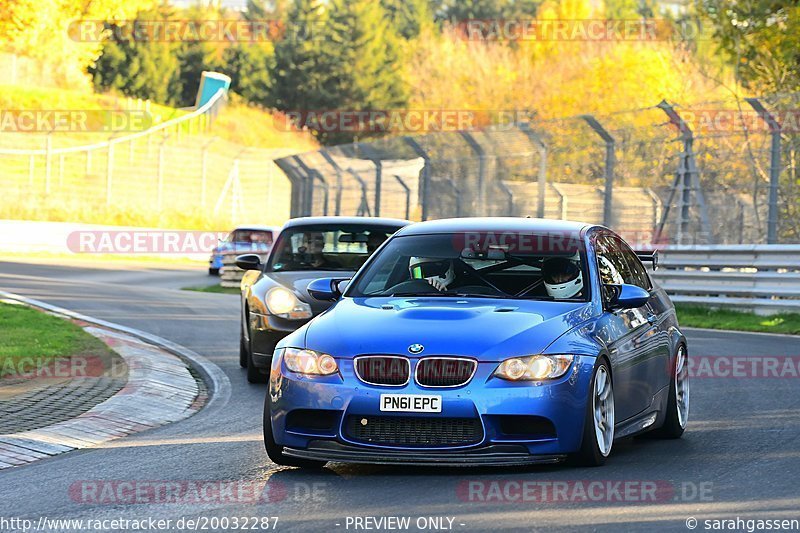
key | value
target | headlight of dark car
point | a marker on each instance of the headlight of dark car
(284, 304)
(534, 367)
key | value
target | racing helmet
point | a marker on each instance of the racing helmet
(562, 277)
(429, 267)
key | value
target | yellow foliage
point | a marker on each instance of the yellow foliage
(41, 29)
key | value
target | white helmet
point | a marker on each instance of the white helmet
(562, 277)
(429, 268)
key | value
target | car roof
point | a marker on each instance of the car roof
(256, 228)
(505, 224)
(313, 221)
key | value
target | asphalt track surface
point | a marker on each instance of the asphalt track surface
(740, 456)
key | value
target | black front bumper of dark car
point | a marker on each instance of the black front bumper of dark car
(492, 455)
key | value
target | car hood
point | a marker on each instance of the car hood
(487, 329)
(298, 280)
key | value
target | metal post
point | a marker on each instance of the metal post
(481, 153)
(336, 168)
(426, 174)
(308, 200)
(774, 167)
(48, 153)
(542, 181)
(688, 180)
(204, 172)
(160, 173)
(363, 208)
(378, 177)
(609, 168)
(60, 170)
(408, 195)
(109, 172)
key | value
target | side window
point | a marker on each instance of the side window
(638, 274)
(611, 263)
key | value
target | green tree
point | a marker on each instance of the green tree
(248, 65)
(299, 76)
(138, 68)
(760, 39)
(456, 10)
(408, 17)
(363, 58)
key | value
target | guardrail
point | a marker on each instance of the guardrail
(230, 275)
(760, 278)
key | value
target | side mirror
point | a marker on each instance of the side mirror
(326, 289)
(342, 285)
(626, 296)
(249, 262)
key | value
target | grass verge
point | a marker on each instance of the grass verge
(696, 316)
(214, 288)
(30, 338)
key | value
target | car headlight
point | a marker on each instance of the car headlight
(284, 304)
(534, 367)
(309, 362)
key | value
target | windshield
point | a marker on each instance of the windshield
(541, 267)
(250, 236)
(327, 247)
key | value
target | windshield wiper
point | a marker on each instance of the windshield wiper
(474, 295)
(448, 294)
(412, 293)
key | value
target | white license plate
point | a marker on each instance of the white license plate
(411, 403)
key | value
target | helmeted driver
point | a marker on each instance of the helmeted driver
(562, 277)
(438, 272)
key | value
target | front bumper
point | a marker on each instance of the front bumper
(491, 455)
(265, 332)
(310, 417)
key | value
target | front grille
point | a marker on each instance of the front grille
(444, 371)
(383, 370)
(414, 431)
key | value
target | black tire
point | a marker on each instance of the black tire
(255, 374)
(589, 453)
(244, 355)
(213, 271)
(275, 452)
(672, 428)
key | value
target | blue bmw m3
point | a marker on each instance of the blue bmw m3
(481, 341)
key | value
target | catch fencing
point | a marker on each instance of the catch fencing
(175, 173)
(723, 172)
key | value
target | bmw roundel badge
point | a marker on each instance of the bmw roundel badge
(416, 348)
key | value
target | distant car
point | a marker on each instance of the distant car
(274, 298)
(242, 240)
(486, 341)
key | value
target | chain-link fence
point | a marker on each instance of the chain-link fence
(174, 174)
(715, 172)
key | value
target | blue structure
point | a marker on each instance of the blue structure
(210, 84)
